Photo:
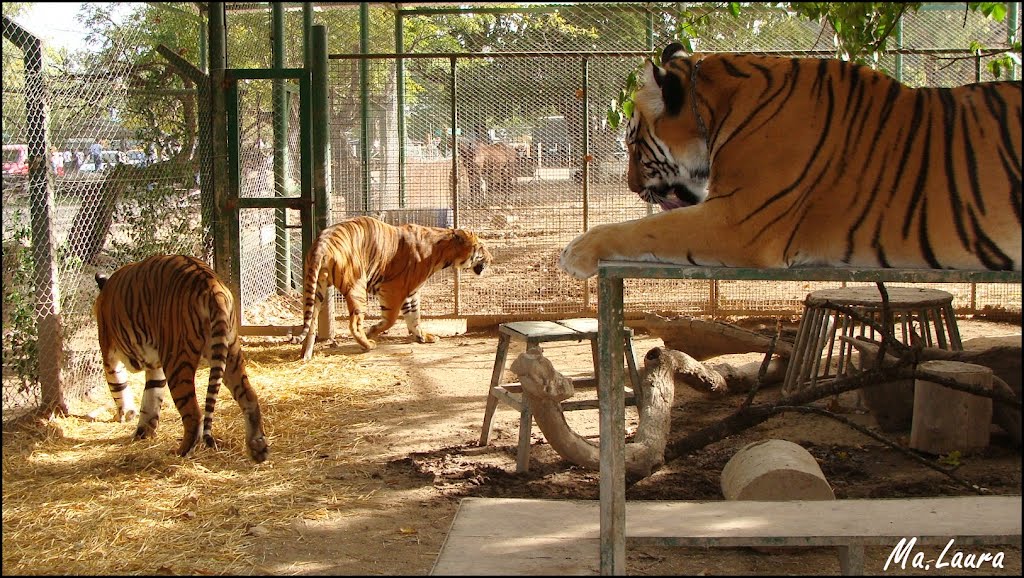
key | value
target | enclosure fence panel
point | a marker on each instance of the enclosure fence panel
(122, 187)
(488, 117)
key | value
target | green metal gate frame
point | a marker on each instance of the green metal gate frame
(236, 204)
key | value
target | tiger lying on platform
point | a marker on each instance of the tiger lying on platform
(364, 255)
(781, 162)
(162, 315)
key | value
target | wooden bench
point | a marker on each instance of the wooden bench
(522, 536)
(534, 333)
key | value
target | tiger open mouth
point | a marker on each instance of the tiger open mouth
(668, 198)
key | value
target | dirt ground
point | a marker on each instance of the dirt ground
(424, 461)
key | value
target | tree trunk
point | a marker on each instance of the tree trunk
(706, 339)
(947, 420)
(545, 389)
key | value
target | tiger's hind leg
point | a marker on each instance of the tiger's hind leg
(237, 380)
(182, 384)
(152, 400)
(311, 307)
(391, 307)
(117, 381)
(355, 299)
(411, 312)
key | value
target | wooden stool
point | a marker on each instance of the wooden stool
(927, 311)
(534, 333)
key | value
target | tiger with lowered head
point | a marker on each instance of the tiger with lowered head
(162, 315)
(365, 256)
(762, 161)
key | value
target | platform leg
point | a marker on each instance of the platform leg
(525, 428)
(492, 400)
(851, 560)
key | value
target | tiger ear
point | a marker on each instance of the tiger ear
(671, 87)
(673, 50)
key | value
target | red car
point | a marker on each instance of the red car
(16, 161)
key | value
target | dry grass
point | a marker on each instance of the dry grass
(79, 498)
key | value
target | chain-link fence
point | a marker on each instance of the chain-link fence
(510, 99)
(100, 169)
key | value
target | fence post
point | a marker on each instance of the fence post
(364, 100)
(225, 245)
(321, 160)
(50, 354)
(585, 167)
(453, 88)
(284, 247)
(400, 103)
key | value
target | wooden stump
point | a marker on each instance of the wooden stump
(947, 420)
(774, 470)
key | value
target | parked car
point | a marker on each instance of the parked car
(15, 163)
(136, 158)
(110, 159)
(15, 160)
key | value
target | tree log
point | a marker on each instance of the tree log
(1001, 355)
(773, 470)
(706, 339)
(947, 420)
(545, 388)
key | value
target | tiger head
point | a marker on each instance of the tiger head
(470, 252)
(666, 139)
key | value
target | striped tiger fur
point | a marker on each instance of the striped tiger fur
(763, 161)
(162, 315)
(364, 255)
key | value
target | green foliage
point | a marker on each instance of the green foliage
(952, 459)
(1002, 60)
(861, 29)
(20, 332)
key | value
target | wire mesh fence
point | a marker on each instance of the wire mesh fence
(115, 185)
(487, 117)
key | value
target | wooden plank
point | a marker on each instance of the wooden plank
(541, 331)
(543, 536)
(581, 324)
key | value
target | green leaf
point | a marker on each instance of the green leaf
(627, 108)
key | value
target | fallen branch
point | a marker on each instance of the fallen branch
(887, 442)
(545, 388)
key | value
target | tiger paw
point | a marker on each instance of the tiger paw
(121, 416)
(209, 441)
(579, 258)
(146, 430)
(259, 450)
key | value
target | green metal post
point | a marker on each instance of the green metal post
(1012, 22)
(400, 98)
(226, 250)
(283, 262)
(203, 51)
(321, 154)
(453, 91)
(364, 99)
(650, 48)
(307, 33)
(452, 88)
(585, 167)
(899, 45)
